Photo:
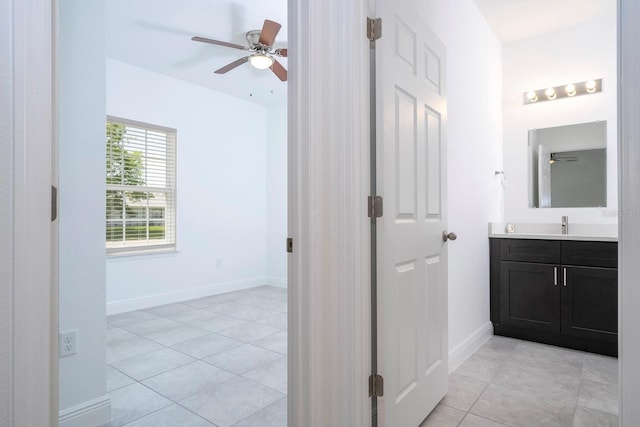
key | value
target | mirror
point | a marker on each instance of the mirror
(568, 166)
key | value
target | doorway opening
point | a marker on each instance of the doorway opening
(193, 289)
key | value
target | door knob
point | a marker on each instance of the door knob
(448, 236)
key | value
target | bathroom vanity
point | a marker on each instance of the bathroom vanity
(556, 289)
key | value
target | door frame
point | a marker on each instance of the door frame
(328, 272)
(30, 396)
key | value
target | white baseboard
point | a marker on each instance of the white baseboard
(95, 412)
(466, 348)
(123, 306)
(280, 282)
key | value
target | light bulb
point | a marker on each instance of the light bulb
(590, 86)
(570, 89)
(261, 61)
(551, 93)
(531, 96)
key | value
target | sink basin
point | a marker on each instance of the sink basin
(550, 231)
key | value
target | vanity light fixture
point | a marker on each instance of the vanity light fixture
(570, 89)
(551, 93)
(566, 91)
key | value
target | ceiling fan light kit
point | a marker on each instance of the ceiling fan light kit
(260, 45)
(261, 61)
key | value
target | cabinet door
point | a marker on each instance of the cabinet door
(530, 295)
(590, 303)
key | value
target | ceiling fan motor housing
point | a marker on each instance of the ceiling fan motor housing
(253, 38)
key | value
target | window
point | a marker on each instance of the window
(141, 187)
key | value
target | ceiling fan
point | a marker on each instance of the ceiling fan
(260, 44)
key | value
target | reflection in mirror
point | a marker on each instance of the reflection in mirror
(568, 166)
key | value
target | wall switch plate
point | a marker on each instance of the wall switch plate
(67, 343)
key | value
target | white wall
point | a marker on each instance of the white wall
(586, 51)
(474, 140)
(221, 179)
(276, 194)
(81, 198)
(6, 211)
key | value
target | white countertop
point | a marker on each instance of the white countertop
(547, 231)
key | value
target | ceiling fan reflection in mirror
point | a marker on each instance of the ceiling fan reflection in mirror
(260, 44)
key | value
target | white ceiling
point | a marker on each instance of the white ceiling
(513, 20)
(156, 35)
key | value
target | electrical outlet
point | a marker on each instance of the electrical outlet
(67, 343)
(218, 262)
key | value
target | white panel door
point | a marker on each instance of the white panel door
(412, 275)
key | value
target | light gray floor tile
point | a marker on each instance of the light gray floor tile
(268, 291)
(182, 382)
(276, 342)
(193, 315)
(116, 379)
(205, 302)
(242, 359)
(132, 402)
(154, 363)
(116, 335)
(515, 408)
(263, 302)
(480, 367)
(249, 332)
(243, 311)
(130, 318)
(553, 380)
(177, 335)
(463, 391)
(498, 347)
(169, 309)
(534, 352)
(152, 326)
(232, 401)
(207, 345)
(471, 420)
(219, 322)
(602, 369)
(599, 396)
(274, 415)
(272, 374)
(443, 416)
(130, 348)
(279, 321)
(585, 417)
(171, 416)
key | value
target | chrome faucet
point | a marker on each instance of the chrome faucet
(565, 225)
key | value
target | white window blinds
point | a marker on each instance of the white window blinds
(141, 187)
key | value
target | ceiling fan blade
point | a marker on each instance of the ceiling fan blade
(281, 52)
(279, 70)
(217, 42)
(269, 32)
(231, 66)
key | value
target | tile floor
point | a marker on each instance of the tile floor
(222, 361)
(214, 361)
(516, 383)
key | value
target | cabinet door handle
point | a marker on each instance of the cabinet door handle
(564, 276)
(555, 276)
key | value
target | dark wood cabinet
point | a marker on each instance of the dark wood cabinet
(557, 292)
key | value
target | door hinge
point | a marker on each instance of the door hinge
(374, 28)
(289, 245)
(376, 385)
(54, 203)
(375, 206)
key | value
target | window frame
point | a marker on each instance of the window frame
(171, 190)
